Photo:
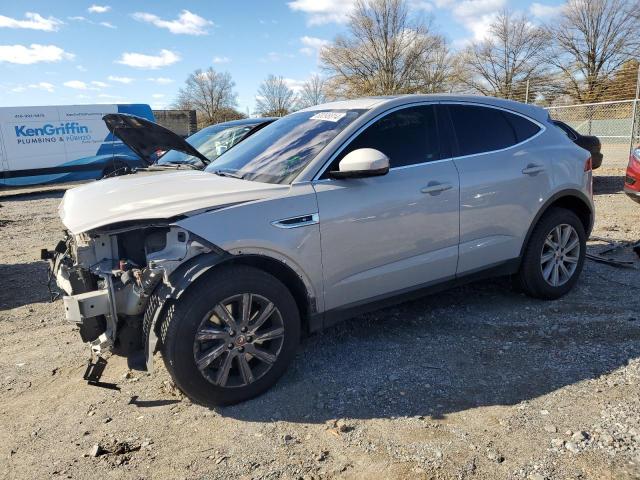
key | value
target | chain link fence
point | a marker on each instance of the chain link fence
(612, 122)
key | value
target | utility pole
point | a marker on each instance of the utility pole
(634, 111)
(526, 94)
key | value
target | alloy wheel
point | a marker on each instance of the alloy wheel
(239, 340)
(560, 255)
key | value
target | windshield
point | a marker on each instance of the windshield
(211, 142)
(278, 152)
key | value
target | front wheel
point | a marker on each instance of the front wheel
(554, 256)
(231, 336)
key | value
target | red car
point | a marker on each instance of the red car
(632, 178)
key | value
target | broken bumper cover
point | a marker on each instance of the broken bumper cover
(86, 305)
(78, 308)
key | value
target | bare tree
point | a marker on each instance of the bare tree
(624, 82)
(437, 72)
(385, 52)
(593, 39)
(274, 98)
(514, 52)
(210, 93)
(312, 93)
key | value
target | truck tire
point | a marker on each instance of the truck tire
(554, 255)
(231, 335)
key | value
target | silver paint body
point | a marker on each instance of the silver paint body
(360, 238)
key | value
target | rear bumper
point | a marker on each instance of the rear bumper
(632, 194)
(596, 160)
(632, 180)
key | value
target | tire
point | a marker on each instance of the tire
(537, 276)
(197, 364)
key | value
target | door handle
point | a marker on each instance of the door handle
(533, 169)
(434, 188)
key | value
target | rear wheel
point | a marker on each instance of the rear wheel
(231, 336)
(554, 256)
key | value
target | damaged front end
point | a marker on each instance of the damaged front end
(109, 275)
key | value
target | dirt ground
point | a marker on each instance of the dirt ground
(479, 382)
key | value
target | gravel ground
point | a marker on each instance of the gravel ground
(477, 382)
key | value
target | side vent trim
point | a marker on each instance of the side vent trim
(299, 221)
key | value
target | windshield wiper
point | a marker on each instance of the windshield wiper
(223, 173)
(180, 164)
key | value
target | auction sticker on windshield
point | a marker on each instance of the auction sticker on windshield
(329, 116)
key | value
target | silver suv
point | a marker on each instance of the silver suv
(322, 214)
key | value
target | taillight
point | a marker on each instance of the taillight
(635, 158)
(588, 165)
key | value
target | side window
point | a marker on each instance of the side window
(407, 136)
(522, 127)
(481, 129)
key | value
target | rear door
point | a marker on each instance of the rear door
(382, 235)
(503, 180)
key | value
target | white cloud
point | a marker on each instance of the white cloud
(98, 8)
(312, 45)
(34, 53)
(158, 95)
(76, 85)
(221, 60)
(80, 85)
(107, 25)
(470, 8)
(187, 23)
(420, 5)
(295, 85)
(161, 80)
(78, 18)
(42, 86)
(545, 11)
(34, 21)
(320, 12)
(81, 68)
(275, 57)
(475, 15)
(125, 80)
(140, 60)
(46, 86)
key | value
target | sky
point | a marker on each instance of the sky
(141, 51)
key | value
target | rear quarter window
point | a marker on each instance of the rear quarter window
(484, 129)
(522, 127)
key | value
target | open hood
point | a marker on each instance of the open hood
(148, 197)
(146, 138)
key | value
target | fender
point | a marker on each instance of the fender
(187, 273)
(568, 193)
(179, 280)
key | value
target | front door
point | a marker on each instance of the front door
(383, 235)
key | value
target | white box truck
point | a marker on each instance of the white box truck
(62, 143)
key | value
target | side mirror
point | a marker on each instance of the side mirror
(363, 162)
